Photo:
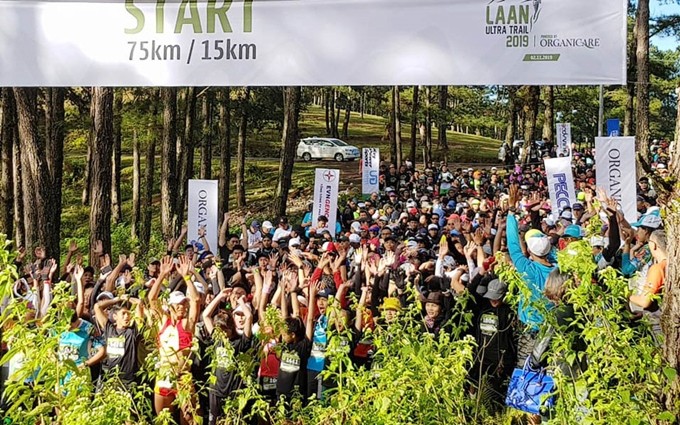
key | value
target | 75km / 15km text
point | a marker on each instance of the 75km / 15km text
(210, 50)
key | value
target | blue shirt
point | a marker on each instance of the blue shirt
(534, 274)
(317, 358)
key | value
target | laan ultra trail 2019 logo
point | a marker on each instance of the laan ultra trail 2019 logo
(517, 23)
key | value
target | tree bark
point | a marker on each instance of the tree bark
(8, 130)
(136, 187)
(670, 314)
(206, 145)
(642, 89)
(100, 211)
(512, 116)
(19, 227)
(345, 122)
(185, 158)
(225, 150)
(628, 117)
(530, 116)
(54, 144)
(391, 126)
(549, 113)
(428, 126)
(397, 125)
(168, 161)
(145, 234)
(35, 171)
(331, 111)
(289, 144)
(336, 131)
(116, 201)
(241, 151)
(85, 199)
(442, 122)
(327, 105)
(414, 124)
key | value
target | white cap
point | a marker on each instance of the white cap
(199, 287)
(267, 225)
(356, 226)
(294, 242)
(242, 309)
(354, 238)
(177, 297)
(432, 227)
(597, 241)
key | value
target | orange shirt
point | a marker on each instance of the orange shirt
(656, 276)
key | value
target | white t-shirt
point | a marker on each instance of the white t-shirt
(281, 233)
(253, 239)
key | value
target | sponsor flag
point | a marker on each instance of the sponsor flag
(370, 171)
(613, 127)
(615, 172)
(560, 184)
(203, 211)
(563, 139)
(326, 186)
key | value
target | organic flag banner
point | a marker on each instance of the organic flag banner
(563, 139)
(370, 171)
(326, 186)
(312, 42)
(203, 211)
(560, 183)
(615, 172)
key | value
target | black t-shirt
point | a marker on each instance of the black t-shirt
(226, 367)
(121, 351)
(495, 334)
(293, 367)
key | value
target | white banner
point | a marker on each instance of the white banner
(370, 170)
(563, 139)
(326, 197)
(615, 172)
(312, 42)
(203, 211)
(560, 184)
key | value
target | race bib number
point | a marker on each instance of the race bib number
(488, 324)
(268, 383)
(115, 347)
(225, 358)
(290, 362)
(318, 350)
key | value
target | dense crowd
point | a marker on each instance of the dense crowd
(436, 232)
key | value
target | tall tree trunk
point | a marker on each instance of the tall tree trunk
(8, 130)
(225, 150)
(136, 186)
(241, 151)
(100, 211)
(397, 125)
(443, 122)
(185, 158)
(428, 126)
(512, 116)
(549, 114)
(530, 116)
(116, 201)
(414, 124)
(345, 122)
(85, 198)
(331, 111)
(289, 144)
(327, 105)
(670, 315)
(391, 126)
(642, 89)
(336, 131)
(35, 171)
(19, 226)
(629, 114)
(169, 162)
(145, 234)
(54, 155)
(206, 146)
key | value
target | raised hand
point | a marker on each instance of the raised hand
(513, 195)
(166, 265)
(127, 278)
(78, 272)
(201, 231)
(69, 268)
(443, 248)
(185, 266)
(185, 229)
(273, 259)
(295, 259)
(131, 260)
(478, 237)
(53, 267)
(21, 253)
(122, 259)
(470, 249)
(389, 258)
(171, 244)
(106, 261)
(72, 247)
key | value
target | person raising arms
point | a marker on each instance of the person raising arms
(175, 338)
